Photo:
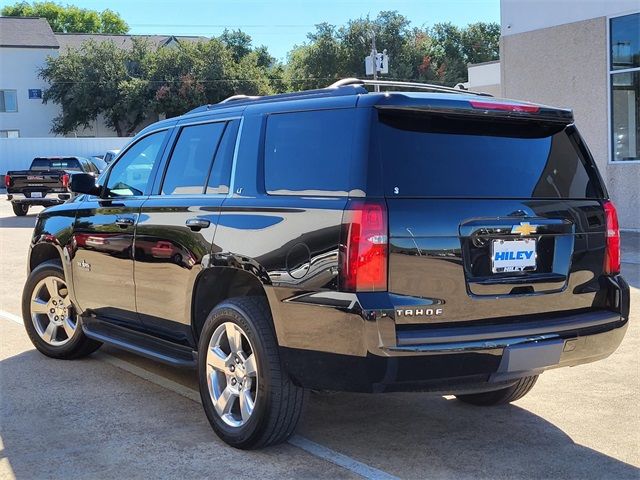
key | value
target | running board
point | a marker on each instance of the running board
(139, 343)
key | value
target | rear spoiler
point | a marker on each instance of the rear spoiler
(487, 108)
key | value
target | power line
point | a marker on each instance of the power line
(220, 25)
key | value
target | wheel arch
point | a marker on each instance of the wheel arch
(217, 284)
(44, 252)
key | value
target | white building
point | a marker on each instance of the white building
(25, 44)
(583, 55)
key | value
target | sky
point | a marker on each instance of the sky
(279, 24)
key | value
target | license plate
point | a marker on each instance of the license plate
(513, 255)
(36, 194)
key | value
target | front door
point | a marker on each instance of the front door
(103, 234)
(177, 223)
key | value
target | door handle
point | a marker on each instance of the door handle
(124, 222)
(196, 224)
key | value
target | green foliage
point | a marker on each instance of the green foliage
(129, 87)
(238, 42)
(98, 79)
(437, 54)
(69, 19)
(318, 63)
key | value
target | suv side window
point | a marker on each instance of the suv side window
(131, 175)
(191, 159)
(220, 175)
(309, 153)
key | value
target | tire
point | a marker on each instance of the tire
(62, 338)
(20, 209)
(503, 396)
(277, 401)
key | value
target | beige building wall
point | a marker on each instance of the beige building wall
(566, 66)
(485, 77)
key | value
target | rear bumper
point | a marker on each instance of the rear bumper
(452, 371)
(462, 359)
(53, 198)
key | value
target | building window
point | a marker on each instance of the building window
(9, 133)
(624, 80)
(8, 101)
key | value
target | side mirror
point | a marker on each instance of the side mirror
(84, 183)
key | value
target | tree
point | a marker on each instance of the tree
(193, 74)
(69, 19)
(447, 53)
(437, 54)
(128, 86)
(391, 30)
(99, 79)
(481, 42)
(238, 42)
(318, 62)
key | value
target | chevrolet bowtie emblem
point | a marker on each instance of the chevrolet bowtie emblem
(525, 228)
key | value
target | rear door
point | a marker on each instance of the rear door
(490, 219)
(177, 223)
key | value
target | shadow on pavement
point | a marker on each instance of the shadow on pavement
(88, 419)
(28, 221)
(419, 435)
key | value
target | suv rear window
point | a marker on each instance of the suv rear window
(55, 164)
(439, 156)
(309, 153)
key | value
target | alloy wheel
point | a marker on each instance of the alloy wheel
(52, 313)
(232, 374)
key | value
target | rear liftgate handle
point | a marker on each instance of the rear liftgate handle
(196, 224)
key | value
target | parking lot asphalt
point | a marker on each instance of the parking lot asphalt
(114, 415)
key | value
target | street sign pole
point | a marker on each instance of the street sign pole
(374, 60)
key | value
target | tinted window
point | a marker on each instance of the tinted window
(220, 175)
(309, 153)
(191, 159)
(132, 173)
(444, 157)
(55, 164)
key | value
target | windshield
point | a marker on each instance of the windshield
(440, 156)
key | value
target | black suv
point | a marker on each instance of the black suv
(338, 239)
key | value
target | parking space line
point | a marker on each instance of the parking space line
(11, 316)
(339, 459)
(159, 380)
(313, 448)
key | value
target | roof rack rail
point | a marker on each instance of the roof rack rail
(333, 90)
(319, 92)
(393, 83)
(234, 98)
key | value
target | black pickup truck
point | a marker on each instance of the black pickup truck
(45, 183)
(338, 239)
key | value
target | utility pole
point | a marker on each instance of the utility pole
(374, 56)
(376, 62)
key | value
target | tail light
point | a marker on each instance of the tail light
(7, 180)
(612, 253)
(506, 107)
(65, 180)
(365, 247)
